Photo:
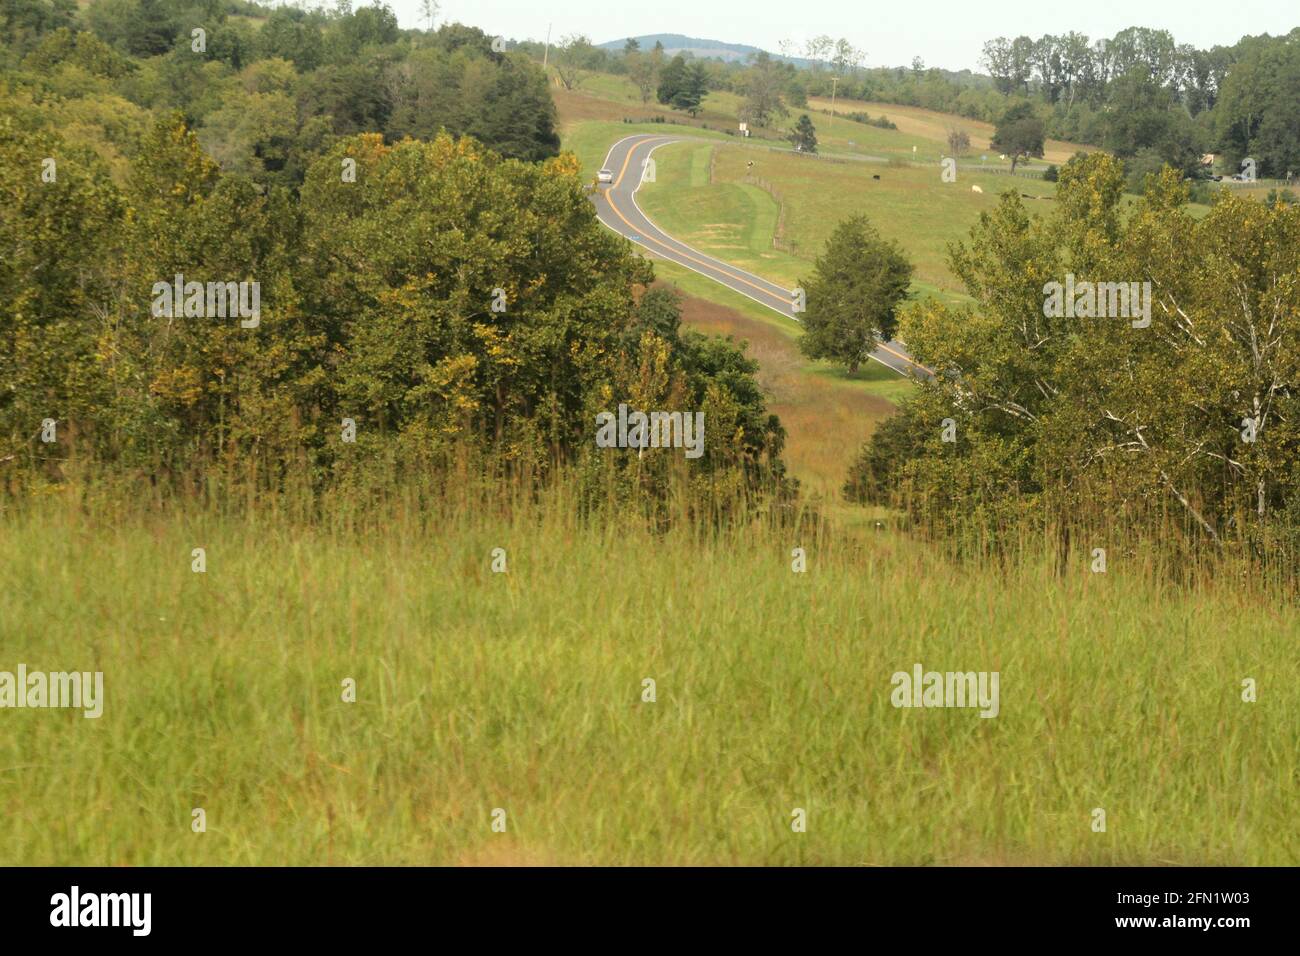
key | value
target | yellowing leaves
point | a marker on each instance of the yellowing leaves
(182, 385)
(566, 164)
(496, 345)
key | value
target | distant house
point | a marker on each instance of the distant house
(1209, 159)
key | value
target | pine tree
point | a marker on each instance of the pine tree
(854, 294)
(804, 135)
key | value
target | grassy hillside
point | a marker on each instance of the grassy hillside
(921, 134)
(734, 217)
(523, 691)
(930, 129)
(719, 108)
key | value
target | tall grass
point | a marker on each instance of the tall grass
(523, 691)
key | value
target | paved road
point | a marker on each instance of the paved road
(616, 207)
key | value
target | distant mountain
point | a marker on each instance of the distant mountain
(675, 43)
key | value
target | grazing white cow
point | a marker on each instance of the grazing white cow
(976, 189)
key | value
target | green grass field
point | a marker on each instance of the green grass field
(736, 215)
(839, 134)
(735, 220)
(523, 691)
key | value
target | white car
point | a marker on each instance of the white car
(605, 176)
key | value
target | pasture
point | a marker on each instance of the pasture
(525, 691)
(711, 198)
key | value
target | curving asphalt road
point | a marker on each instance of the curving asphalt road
(616, 207)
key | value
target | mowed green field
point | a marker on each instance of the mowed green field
(735, 214)
(735, 219)
(523, 691)
(838, 134)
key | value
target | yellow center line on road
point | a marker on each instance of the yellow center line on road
(637, 231)
(730, 275)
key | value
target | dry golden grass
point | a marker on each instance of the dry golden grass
(578, 107)
(933, 125)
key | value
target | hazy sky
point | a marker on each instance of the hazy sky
(943, 33)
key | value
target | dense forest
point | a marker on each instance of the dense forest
(265, 100)
(432, 284)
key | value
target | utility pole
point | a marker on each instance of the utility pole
(547, 50)
(834, 83)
